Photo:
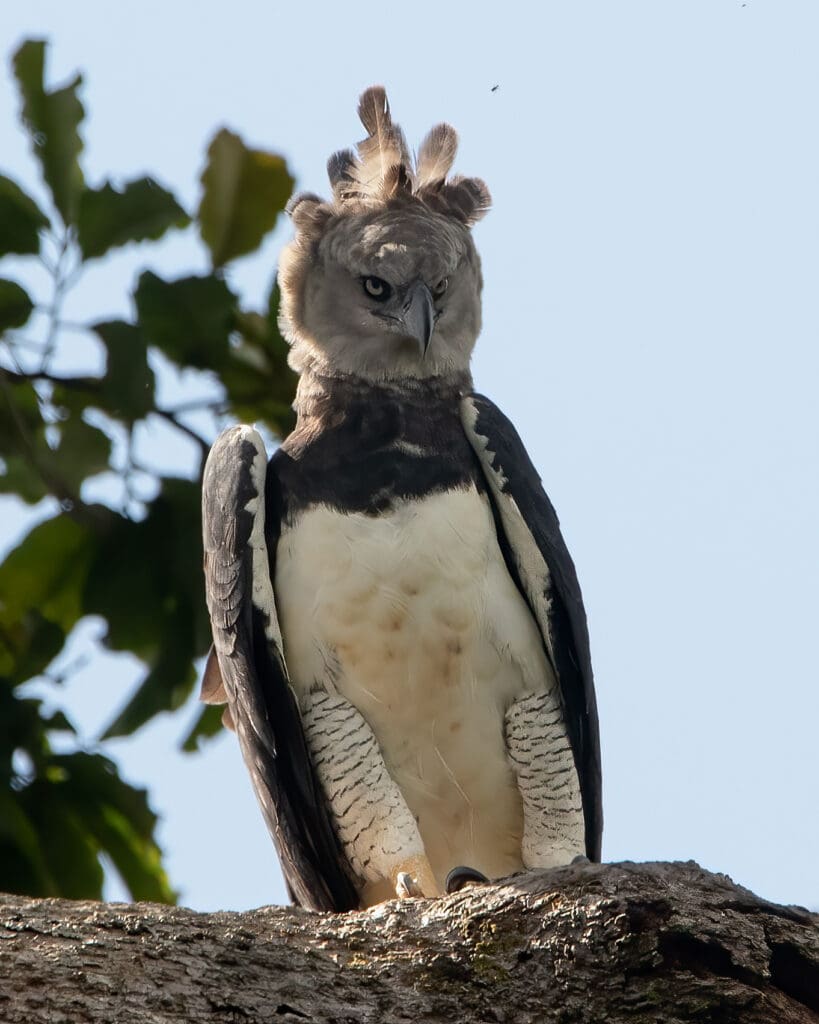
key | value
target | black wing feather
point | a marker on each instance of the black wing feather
(262, 703)
(514, 474)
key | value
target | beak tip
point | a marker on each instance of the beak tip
(419, 316)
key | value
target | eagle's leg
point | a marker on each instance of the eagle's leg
(539, 750)
(378, 832)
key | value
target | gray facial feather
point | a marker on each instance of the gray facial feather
(402, 224)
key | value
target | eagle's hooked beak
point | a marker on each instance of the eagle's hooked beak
(417, 314)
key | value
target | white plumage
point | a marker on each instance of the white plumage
(413, 618)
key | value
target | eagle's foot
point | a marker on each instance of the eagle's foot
(461, 876)
(406, 886)
(414, 877)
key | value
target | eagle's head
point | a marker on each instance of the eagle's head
(384, 282)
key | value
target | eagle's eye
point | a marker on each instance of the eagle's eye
(376, 288)
(440, 288)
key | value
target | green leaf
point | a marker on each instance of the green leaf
(21, 220)
(23, 867)
(259, 383)
(22, 432)
(189, 319)
(70, 849)
(52, 120)
(108, 217)
(131, 599)
(54, 828)
(23, 440)
(46, 572)
(117, 819)
(21, 728)
(135, 856)
(244, 191)
(15, 305)
(19, 477)
(166, 687)
(28, 645)
(207, 725)
(128, 386)
(58, 722)
(83, 452)
(154, 603)
(158, 588)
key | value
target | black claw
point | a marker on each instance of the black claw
(461, 876)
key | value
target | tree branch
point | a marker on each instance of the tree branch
(587, 943)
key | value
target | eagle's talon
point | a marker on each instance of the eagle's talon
(414, 877)
(406, 886)
(462, 875)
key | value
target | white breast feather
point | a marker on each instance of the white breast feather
(412, 616)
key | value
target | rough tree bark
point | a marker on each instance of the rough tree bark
(589, 943)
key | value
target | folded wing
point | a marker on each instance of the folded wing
(539, 562)
(240, 526)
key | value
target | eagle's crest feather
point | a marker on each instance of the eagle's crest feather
(382, 171)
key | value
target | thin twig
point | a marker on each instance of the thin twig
(166, 414)
(72, 383)
(197, 404)
(13, 338)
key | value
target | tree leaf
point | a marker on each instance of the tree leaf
(127, 389)
(154, 604)
(55, 825)
(23, 867)
(70, 850)
(83, 452)
(135, 855)
(166, 687)
(118, 820)
(52, 120)
(19, 477)
(15, 305)
(28, 645)
(259, 383)
(108, 217)
(46, 572)
(22, 431)
(244, 191)
(207, 725)
(22, 729)
(157, 593)
(21, 220)
(189, 319)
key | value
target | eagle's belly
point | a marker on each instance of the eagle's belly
(412, 616)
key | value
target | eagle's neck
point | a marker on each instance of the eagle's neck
(323, 401)
(361, 447)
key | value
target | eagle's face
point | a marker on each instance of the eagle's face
(389, 294)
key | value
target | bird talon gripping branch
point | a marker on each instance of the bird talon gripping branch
(406, 886)
(415, 878)
(398, 628)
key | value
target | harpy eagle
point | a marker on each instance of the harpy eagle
(398, 629)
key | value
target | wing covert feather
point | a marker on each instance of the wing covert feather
(540, 564)
(238, 496)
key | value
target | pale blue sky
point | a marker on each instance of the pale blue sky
(650, 325)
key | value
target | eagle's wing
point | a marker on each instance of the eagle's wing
(540, 564)
(240, 513)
